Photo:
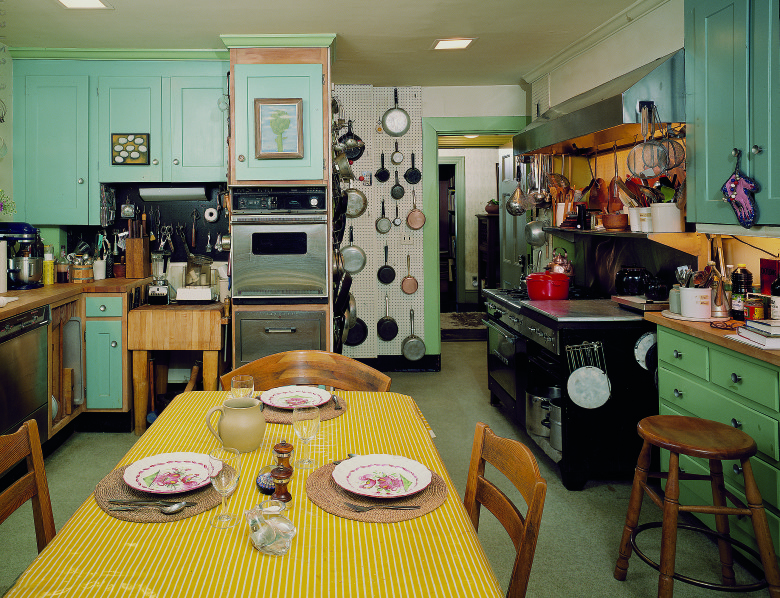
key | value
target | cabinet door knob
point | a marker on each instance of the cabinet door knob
(176, 161)
(756, 149)
(102, 308)
(677, 354)
(735, 423)
(735, 378)
(678, 393)
(241, 158)
(113, 343)
(737, 469)
(155, 161)
(81, 181)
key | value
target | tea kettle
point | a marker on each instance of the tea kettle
(560, 263)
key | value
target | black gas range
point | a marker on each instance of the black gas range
(532, 351)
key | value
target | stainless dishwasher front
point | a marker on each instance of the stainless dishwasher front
(24, 370)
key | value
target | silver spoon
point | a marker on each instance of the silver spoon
(167, 510)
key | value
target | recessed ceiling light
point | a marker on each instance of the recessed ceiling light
(450, 44)
(84, 4)
(471, 136)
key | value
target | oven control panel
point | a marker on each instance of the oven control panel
(524, 325)
(275, 200)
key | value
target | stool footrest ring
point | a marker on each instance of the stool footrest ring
(760, 585)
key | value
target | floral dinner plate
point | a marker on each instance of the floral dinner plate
(290, 397)
(168, 473)
(382, 476)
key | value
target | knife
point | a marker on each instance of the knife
(163, 503)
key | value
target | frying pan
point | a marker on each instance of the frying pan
(386, 327)
(354, 257)
(397, 190)
(338, 333)
(395, 115)
(412, 175)
(354, 145)
(383, 224)
(357, 334)
(409, 283)
(338, 229)
(342, 299)
(397, 219)
(413, 347)
(338, 267)
(351, 312)
(356, 202)
(415, 219)
(342, 165)
(396, 157)
(386, 274)
(382, 175)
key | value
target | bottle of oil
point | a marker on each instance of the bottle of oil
(741, 285)
(62, 266)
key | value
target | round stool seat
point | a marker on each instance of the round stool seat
(696, 437)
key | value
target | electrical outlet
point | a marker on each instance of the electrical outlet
(474, 281)
(406, 240)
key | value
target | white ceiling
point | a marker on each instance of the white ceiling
(381, 43)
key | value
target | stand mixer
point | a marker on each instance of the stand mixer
(25, 266)
(159, 292)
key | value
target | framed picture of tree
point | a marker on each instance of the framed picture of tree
(278, 128)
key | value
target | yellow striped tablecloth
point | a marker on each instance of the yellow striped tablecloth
(437, 554)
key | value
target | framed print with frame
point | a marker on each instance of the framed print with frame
(278, 128)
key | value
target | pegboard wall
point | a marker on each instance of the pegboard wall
(364, 105)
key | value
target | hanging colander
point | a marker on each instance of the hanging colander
(649, 158)
(674, 149)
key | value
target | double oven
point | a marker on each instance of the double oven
(530, 344)
(279, 270)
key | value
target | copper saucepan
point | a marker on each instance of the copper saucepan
(415, 219)
(409, 283)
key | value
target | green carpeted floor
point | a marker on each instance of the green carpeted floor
(580, 531)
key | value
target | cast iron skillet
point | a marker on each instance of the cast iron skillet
(386, 327)
(382, 175)
(386, 274)
(412, 175)
(357, 334)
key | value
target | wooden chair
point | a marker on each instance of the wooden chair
(26, 443)
(518, 464)
(311, 367)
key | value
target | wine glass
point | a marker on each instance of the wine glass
(306, 423)
(224, 471)
(242, 386)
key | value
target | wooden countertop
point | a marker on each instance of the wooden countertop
(716, 336)
(32, 298)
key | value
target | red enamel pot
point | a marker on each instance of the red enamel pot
(544, 286)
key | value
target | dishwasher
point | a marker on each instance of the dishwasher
(24, 378)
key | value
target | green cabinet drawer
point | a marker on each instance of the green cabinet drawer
(104, 307)
(701, 401)
(754, 381)
(683, 352)
(767, 478)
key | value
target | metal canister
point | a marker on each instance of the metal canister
(753, 309)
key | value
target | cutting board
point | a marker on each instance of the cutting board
(640, 302)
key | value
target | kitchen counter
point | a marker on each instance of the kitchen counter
(32, 298)
(703, 331)
(583, 310)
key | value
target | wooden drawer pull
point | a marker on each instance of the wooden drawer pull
(735, 378)
(677, 354)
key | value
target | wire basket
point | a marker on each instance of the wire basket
(586, 354)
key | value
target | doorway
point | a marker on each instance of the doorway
(448, 273)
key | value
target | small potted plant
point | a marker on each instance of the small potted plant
(492, 207)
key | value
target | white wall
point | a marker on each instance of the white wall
(496, 100)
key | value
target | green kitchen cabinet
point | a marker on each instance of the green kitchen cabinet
(732, 75)
(283, 82)
(51, 127)
(181, 119)
(700, 379)
(104, 364)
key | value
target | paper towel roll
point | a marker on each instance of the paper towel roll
(3, 266)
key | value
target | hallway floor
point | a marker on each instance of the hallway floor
(580, 531)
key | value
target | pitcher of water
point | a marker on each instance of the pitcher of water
(241, 424)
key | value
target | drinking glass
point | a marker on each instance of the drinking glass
(306, 423)
(224, 471)
(242, 386)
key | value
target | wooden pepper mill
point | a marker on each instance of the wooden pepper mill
(281, 476)
(283, 453)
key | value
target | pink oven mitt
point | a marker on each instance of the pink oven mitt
(738, 191)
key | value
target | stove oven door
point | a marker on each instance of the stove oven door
(506, 361)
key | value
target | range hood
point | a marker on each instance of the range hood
(610, 112)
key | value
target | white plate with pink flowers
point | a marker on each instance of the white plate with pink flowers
(168, 473)
(382, 476)
(290, 397)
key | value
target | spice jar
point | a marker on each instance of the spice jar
(281, 476)
(283, 452)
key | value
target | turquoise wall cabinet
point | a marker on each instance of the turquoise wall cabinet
(733, 97)
(279, 81)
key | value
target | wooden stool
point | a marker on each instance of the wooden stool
(717, 442)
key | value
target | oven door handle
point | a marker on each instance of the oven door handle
(501, 331)
(289, 330)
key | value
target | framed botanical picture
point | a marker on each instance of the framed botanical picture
(278, 128)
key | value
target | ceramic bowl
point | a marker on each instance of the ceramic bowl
(615, 221)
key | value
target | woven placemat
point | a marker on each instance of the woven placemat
(113, 487)
(274, 415)
(324, 492)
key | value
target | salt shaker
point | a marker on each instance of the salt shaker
(281, 476)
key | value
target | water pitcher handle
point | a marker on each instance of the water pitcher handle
(208, 419)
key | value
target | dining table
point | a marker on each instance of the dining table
(434, 553)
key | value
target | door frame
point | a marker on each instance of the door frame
(460, 226)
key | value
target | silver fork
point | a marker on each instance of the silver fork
(336, 404)
(362, 509)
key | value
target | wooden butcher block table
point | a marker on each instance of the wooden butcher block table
(174, 327)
